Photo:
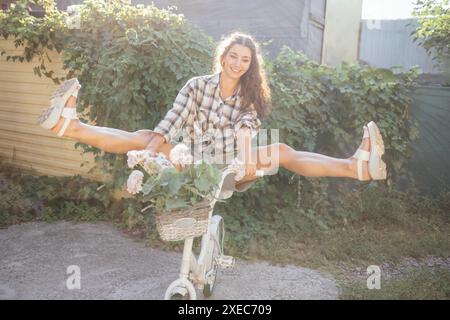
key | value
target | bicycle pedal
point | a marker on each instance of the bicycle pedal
(226, 262)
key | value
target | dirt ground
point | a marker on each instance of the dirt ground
(36, 260)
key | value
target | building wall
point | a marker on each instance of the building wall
(22, 142)
(342, 29)
(295, 23)
(298, 24)
(387, 43)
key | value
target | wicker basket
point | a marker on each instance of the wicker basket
(179, 224)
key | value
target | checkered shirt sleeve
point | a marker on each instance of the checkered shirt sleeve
(176, 117)
(248, 119)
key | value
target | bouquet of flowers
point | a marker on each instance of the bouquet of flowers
(160, 185)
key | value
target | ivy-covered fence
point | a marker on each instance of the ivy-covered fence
(133, 60)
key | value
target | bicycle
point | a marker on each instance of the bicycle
(201, 273)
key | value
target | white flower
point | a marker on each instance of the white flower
(136, 157)
(133, 158)
(181, 155)
(134, 183)
(162, 161)
(153, 165)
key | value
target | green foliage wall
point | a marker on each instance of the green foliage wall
(132, 61)
(323, 109)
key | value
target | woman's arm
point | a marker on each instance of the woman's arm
(246, 128)
(156, 141)
(244, 150)
(176, 117)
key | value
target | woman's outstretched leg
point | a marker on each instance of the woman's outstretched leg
(308, 164)
(107, 139)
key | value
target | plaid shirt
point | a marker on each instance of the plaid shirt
(208, 120)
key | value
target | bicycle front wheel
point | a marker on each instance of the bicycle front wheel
(216, 240)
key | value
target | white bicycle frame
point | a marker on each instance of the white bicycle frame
(194, 272)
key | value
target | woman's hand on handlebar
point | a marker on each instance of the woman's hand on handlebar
(250, 169)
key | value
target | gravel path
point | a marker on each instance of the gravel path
(34, 258)
(390, 270)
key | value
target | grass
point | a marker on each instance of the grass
(418, 232)
(423, 284)
(363, 242)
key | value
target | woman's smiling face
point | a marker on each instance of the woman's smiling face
(237, 61)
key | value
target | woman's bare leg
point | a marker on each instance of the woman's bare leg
(307, 164)
(107, 139)
(310, 164)
(268, 157)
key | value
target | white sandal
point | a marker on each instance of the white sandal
(377, 167)
(50, 117)
(362, 155)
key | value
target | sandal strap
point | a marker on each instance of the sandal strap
(361, 154)
(75, 93)
(68, 114)
(366, 134)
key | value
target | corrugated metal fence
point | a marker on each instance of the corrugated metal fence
(22, 142)
(430, 161)
(387, 43)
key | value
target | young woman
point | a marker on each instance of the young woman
(230, 101)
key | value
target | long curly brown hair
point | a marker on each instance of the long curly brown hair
(254, 87)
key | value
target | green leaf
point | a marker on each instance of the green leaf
(148, 185)
(177, 181)
(167, 175)
(202, 183)
(175, 204)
